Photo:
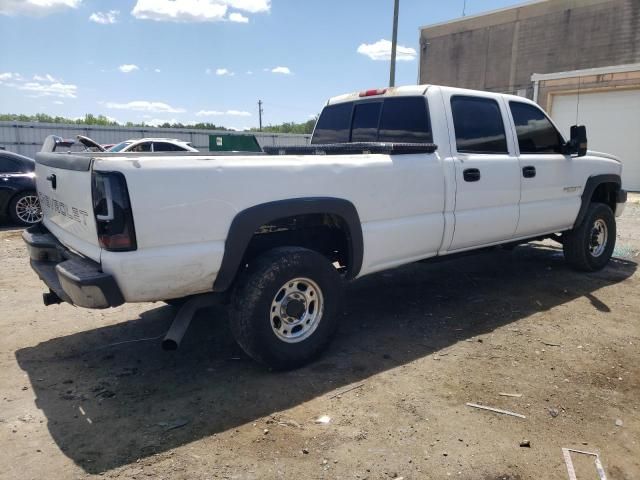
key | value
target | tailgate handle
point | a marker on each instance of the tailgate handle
(52, 178)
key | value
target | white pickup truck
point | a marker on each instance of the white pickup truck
(393, 176)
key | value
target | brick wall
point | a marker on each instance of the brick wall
(500, 51)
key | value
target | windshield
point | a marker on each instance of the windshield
(120, 146)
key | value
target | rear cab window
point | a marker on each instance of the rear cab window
(390, 119)
(478, 125)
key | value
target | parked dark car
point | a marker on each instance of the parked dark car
(18, 197)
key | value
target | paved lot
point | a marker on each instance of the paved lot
(81, 397)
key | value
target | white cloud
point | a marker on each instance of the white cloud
(381, 50)
(238, 113)
(180, 10)
(56, 89)
(216, 113)
(46, 78)
(144, 106)
(249, 72)
(238, 18)
(282, 70)
(58, 102)
(35, 7)
(128, 68)
(41, 86)
(9, 76)
(251, 6)
(221, 72)
(105, 18)
(157, 70)
(197, 10)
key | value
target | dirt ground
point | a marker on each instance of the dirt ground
(90, 393)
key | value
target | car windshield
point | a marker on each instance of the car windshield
(120, 146)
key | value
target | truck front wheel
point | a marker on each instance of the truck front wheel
(589, 246)
(285, 306)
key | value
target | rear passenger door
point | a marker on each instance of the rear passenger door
(487, 171)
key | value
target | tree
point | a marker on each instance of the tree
(290, 127)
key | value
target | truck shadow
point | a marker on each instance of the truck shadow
(92, 391)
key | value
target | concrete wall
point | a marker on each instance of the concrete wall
(501, 50)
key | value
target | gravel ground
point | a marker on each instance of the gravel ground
(90, 393)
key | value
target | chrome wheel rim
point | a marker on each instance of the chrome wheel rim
(598, 238)
(28, 209)
(296, 310)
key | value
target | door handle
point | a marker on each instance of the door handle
(53, 180)
(471, 175)
(529, 172)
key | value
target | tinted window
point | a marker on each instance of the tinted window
(14, 163)
(478, 125)
(334, 124)
(8, 165)
(119, 147)
(141, 147)
(365, 122)
(536, 134)
(166, 147)
(405, 119)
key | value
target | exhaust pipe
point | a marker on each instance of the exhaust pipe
(183, 319)
(51, 298)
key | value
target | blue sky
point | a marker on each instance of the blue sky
(205, 60)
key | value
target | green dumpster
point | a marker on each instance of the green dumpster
(233, 143)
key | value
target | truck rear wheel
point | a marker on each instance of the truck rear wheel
(589, 246)
(284, 309)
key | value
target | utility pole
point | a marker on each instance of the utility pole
(394, 43)
(464, 8)
(260, 113)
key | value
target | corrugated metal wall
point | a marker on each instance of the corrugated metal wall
(26, 137)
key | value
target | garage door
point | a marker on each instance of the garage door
(613, 126)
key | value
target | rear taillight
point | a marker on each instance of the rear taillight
(112, 209)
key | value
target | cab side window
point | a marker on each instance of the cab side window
(536, 134)
(478, 125)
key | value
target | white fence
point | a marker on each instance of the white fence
(26, 137)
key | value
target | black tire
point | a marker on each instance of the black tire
(16, 209)
(579, 244)
(253, 307)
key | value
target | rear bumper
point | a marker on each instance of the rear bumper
(76, 280)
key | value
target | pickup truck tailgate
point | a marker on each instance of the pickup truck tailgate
(64, 188)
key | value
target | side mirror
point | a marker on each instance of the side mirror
(577, 144)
